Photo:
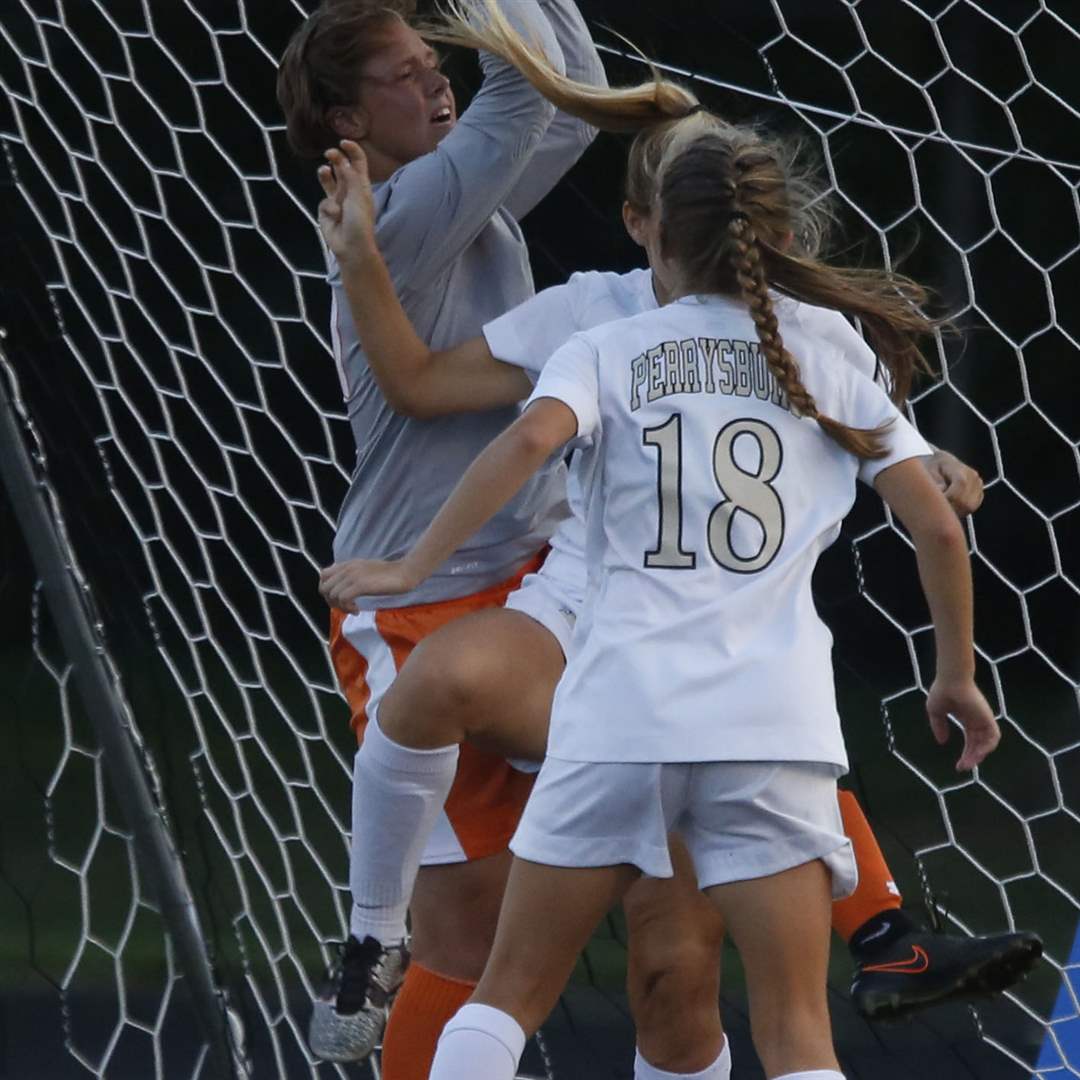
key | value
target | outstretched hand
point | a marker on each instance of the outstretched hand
(347, 214)
(342, 583)
(964, 701)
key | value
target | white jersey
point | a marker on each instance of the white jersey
(530, 333)
(707, 505)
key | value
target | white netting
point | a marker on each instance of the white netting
(181, 380)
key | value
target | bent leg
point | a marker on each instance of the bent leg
(673, 969)
(490, 675)
(488, 678)
(454, 909)
(780, 925)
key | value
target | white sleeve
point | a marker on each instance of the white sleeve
(571, 376)
(526, 336)
(872, 408)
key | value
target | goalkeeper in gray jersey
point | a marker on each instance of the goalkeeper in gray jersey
(449, 194)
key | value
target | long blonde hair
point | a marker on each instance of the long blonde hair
(778, 222)
(479, 24)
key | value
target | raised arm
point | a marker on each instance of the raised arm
(945, 572)
(414, 379)
(488, 485)
(431, 209)
(567, 138)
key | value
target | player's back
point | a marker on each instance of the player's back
(708, 503)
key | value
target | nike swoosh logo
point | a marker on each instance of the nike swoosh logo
(915, 964)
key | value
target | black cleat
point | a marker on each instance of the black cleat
(349, 1016)
(900, 968)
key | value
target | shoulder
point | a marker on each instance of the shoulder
(599, 283)
(626, 328)
(814, 319)
(831, 329)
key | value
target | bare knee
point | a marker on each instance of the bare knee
(487, 678)
(673, 977)
(431, 701)
(674, 998)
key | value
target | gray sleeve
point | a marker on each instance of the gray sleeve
(567, 138)
(431, 209)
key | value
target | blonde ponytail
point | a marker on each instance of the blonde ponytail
(779, 200)
(480, 24)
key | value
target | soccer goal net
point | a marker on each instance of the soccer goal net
(168, 343)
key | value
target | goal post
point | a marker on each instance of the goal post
(164, 253)
(113, 725)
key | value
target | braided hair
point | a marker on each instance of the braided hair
(725, 216)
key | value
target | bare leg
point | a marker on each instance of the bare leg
(673, 970)
(780, 925)
(487, 677)
(454, 912)
(527, 970)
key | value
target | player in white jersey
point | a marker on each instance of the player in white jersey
(697, 694)
(450, 193)
(469, 681)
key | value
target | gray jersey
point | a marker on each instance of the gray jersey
(447, 225)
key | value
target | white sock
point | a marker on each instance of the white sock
(814, 1074)
(720, 1069)
(479, 1043)
(397, 796)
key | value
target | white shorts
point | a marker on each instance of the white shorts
(740, 820)
(552, 596)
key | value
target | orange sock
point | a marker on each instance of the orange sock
(421, 1009)
(876, 891)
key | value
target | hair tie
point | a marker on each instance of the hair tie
(740, 222)
(694, 110)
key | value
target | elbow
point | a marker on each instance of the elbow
(532, 134)
(946, 535)
(532, 440)
(411, 404)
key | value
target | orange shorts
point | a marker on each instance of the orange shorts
(368, 650)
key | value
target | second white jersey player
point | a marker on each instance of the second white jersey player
(708, 503)
(528, 335)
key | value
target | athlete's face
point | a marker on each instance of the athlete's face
(405, 104)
